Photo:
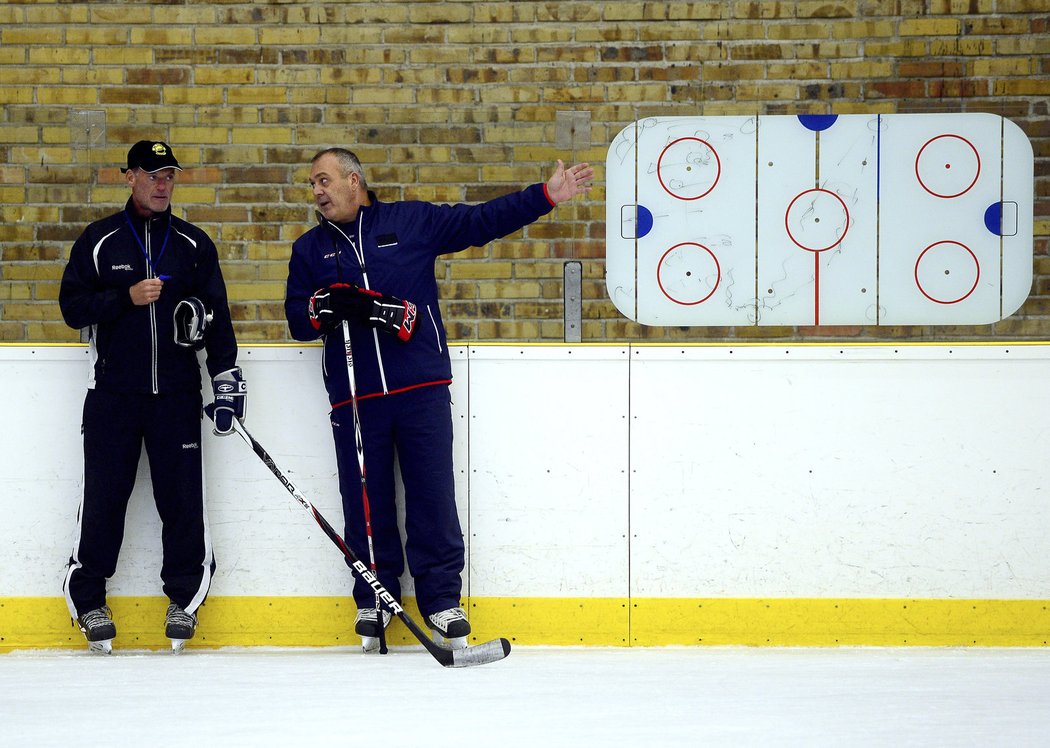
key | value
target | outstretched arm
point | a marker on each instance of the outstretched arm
(566, 183)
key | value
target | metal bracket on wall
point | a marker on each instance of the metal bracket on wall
(87, 128)
(572, 130)
(573, 286)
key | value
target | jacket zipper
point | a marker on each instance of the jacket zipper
(359, 252)
(152, 312)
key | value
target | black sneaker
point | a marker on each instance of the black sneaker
(178, 624)
(98, 628)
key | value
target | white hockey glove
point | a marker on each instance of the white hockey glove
(191, 321)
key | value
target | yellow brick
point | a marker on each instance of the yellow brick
(861, 70)
(30, 76)
(52, 135)
(257, 290)
(862, 29)
(257, 95)
(427, 13)
(96, 35)
(298, 35)
(12, 195)
(1003, 66)
(122, 56)
(211, 76)
(261, 135)
(15, 95)
(380, 95)
(509, 289)
(434, 95)
(192, 194)
(110, 195)
(67, 96)
(168, 36)
(434, 55)
(59, 56)
(93, 76)
(53, 15)
(196, 15)
(51, 331)
(196, 95)
(448, 173)
(32, 271)
(900, 48)
(199, 135)
(20, 291)
(288, 76)
(224, 35)
(351, 76)
(930, 27)
(693, 11)
(536, 160)
(1039, 87)
(120, 13)
(487, 269)
(27, 35)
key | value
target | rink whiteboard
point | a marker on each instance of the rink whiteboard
(861, 219)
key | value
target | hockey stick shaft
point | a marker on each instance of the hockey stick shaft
(359, 446)
(478, 654)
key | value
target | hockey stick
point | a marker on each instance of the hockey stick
(478, 654)
(359, 445)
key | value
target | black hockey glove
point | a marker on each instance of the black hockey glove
(331, 305)
(231, 395)
(342, 301)
(191, 322)
(393, 315)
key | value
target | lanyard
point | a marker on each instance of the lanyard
(163, 246)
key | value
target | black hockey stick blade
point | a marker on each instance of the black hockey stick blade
(478, 654)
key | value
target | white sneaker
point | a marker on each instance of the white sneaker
(366, 626)
(450, 627)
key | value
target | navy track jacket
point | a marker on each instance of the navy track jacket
(133, 347)
(391, 248)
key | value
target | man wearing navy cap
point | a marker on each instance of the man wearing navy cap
(147, 287)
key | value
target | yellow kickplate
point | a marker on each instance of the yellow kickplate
(44, 623)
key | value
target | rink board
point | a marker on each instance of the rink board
(623, 495)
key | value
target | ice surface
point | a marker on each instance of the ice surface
(578, 697)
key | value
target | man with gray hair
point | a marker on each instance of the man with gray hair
(363, 280)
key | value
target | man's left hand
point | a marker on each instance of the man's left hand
(231, 394)
(567, 183)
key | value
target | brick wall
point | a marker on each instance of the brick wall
(457, 101)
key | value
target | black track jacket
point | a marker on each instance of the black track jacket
(133, 348)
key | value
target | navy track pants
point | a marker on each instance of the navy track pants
(416, 426)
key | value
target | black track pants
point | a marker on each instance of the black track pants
(116, 426)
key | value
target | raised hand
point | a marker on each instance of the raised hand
(567, 183)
